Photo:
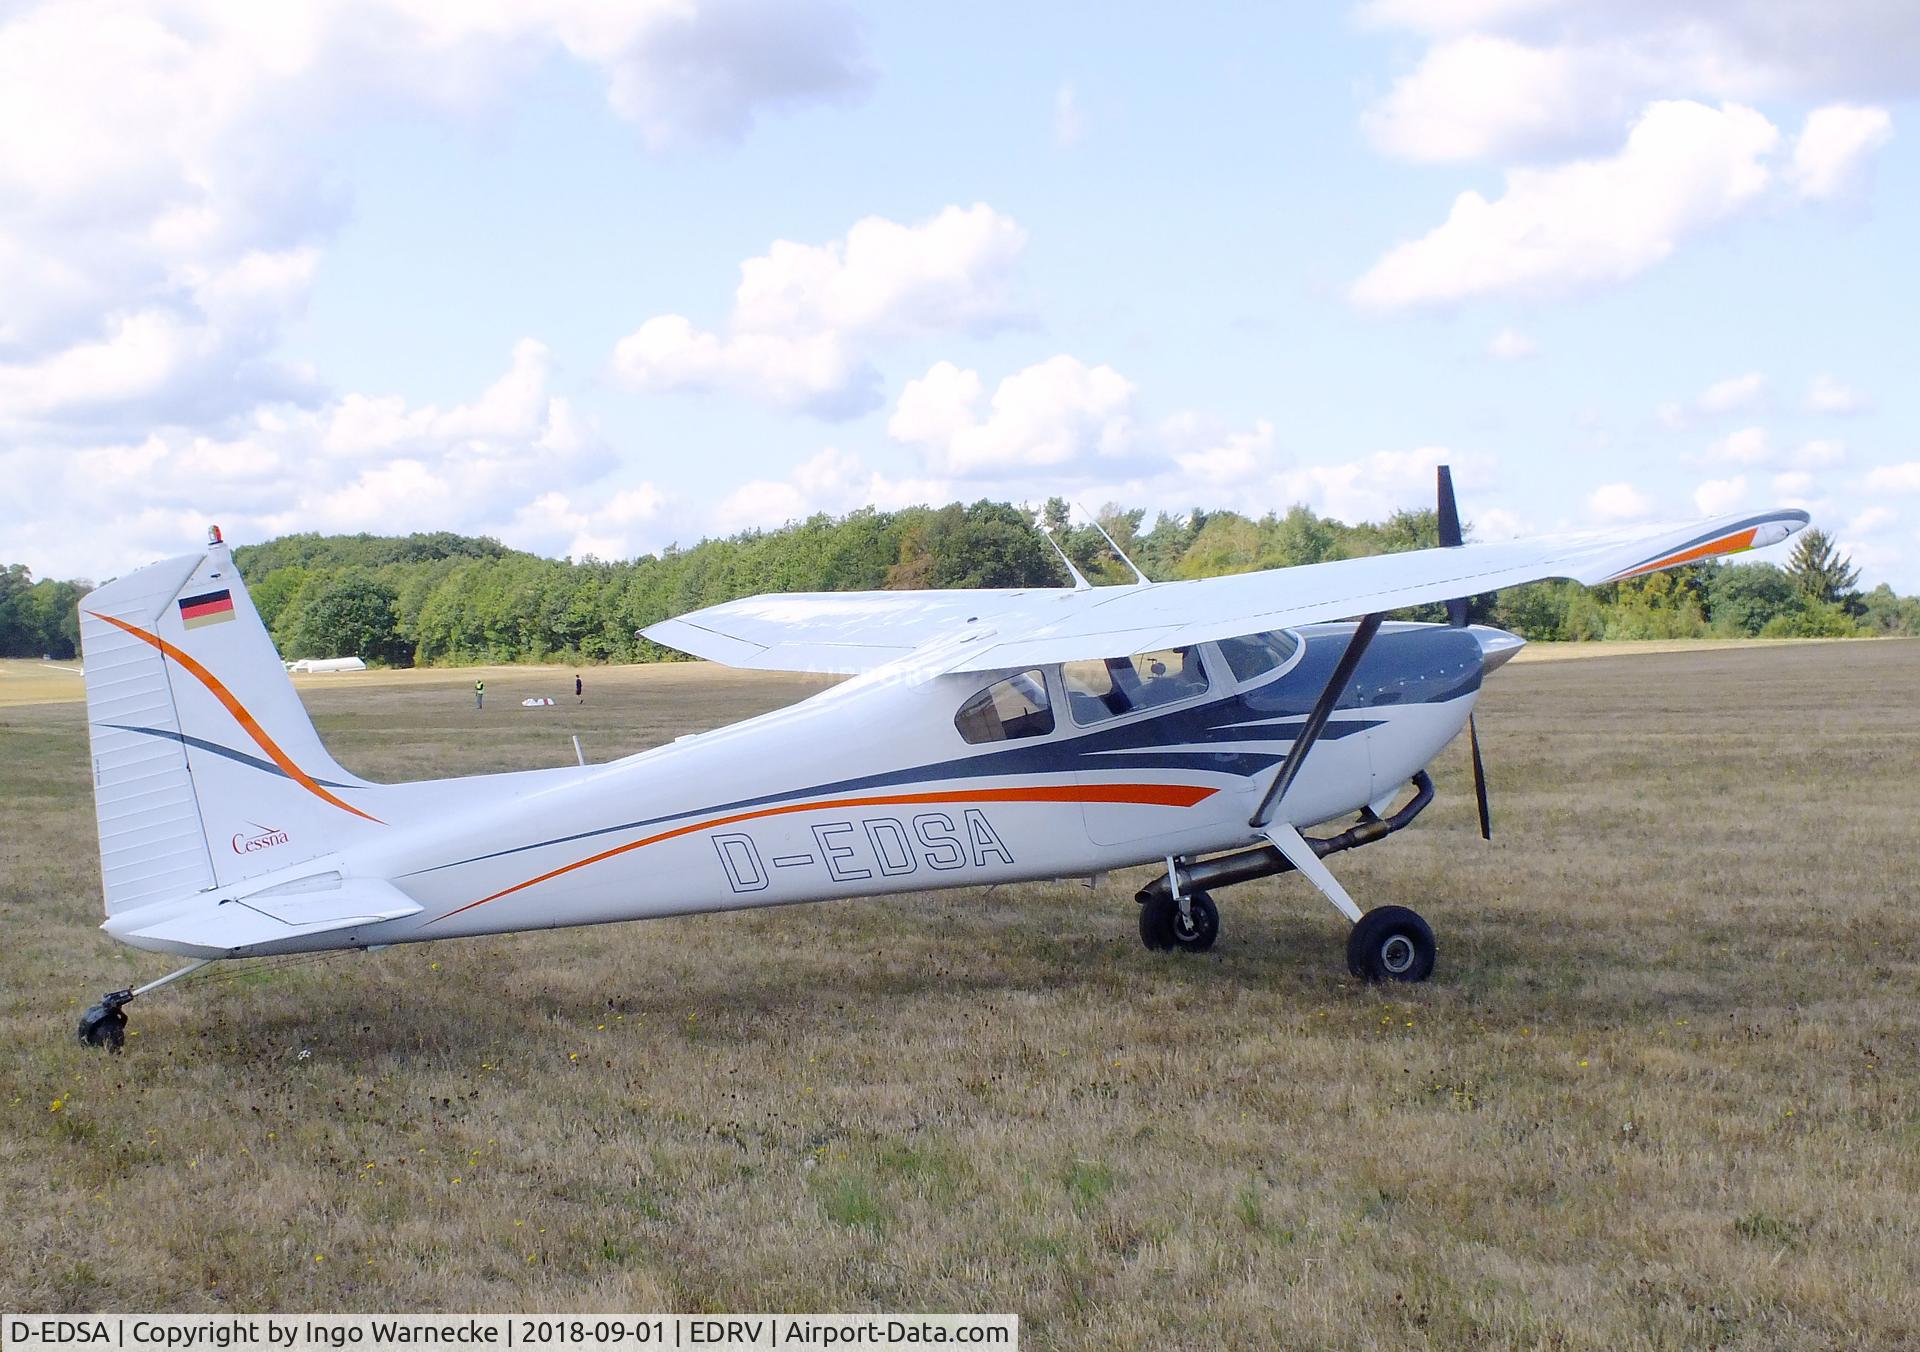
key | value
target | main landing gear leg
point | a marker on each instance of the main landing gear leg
(105, 1024)
(1388, 943)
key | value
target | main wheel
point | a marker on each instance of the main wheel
(1391, 943)
(1156, 921)
(1162, 926)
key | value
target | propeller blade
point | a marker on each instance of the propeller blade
(1449, 510)
(1479, 780)
(1449, 522)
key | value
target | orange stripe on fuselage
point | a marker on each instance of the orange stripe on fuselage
(239, 712)
(1146, 795)
(1726, 544)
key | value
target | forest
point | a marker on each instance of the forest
(445, 599)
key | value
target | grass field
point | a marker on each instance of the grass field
(1660, 1093)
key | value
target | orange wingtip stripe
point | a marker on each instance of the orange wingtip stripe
(1726, 544)
(1148, 795)
(239, 712)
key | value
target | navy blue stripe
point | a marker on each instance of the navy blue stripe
(242, 757)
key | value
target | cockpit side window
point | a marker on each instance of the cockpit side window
(1254, 655)
(1006, 710)
(1107, 688)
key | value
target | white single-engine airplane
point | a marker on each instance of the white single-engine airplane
(986, 736)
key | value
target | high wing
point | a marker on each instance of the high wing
(857, 631)
(845, 632)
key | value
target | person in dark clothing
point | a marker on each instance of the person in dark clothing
(579, 690)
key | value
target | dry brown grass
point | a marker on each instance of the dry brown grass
(29, 682)
(1661, 1092)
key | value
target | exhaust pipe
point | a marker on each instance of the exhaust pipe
(1265, 861)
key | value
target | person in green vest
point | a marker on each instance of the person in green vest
(479, 694)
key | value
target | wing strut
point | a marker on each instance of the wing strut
(1316, 720)
(1114, 545)
(1080, 583)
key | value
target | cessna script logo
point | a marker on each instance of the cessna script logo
(263, 838)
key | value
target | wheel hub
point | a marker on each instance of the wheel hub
(1397, 954)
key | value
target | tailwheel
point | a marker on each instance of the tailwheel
(105, 1024)
(1391, 943)
(1191, 924)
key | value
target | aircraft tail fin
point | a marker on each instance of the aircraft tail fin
(206, 768)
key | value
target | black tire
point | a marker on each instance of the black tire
(104, 1028)
(1156, 922)
(1162, 927)
(1391, 943)
(1195, 931)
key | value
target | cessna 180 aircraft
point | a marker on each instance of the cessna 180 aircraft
(986, 736)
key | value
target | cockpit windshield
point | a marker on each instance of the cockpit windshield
(1107, 688)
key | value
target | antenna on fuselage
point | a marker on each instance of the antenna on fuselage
(1114, 545)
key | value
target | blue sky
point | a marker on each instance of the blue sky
(392, 265)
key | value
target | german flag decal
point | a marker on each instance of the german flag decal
(206, 608)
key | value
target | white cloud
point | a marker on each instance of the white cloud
(950, 273)
(1237, 458)
(1370, 488)
(1512, 345)
(1899, 478)
(816, 372)
(1497, 523)
(1685, 167)
(1833, 146)
(1827, 395)
(163, 205)
(1871, 521)
(831, 481)
(1445, 16)
(1820, 454)
(1731, 394)
(1477, 96)
(1793, 484)
(1057, 412)
(1618, 502)
(505, 463)
(937, 407)
(610, 527)
(1716, 497)
(1748, 446)
(1531, 79)
(804, 315)
(1069, 120)
(828, 482)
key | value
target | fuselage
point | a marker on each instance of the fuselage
(874, 787)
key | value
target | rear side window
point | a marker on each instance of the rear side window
(1106, 688)
(1006, 710)
(1256, 654)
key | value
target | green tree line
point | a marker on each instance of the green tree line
(38, 619)
(446, 599)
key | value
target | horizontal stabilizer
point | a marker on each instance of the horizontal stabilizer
(217, 924)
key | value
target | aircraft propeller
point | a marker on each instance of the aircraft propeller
(1449, 521)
